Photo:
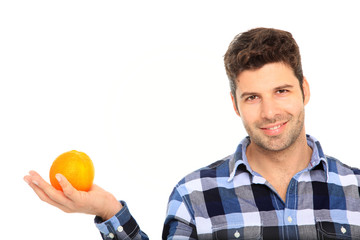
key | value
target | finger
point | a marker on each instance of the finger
(27, 179)
(42, 195)
(80, 199)
(68, 190)
(48, 191)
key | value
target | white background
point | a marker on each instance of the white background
(141, 88)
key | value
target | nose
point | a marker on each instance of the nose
(269, 109)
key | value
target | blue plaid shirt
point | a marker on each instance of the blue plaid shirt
(227, 200)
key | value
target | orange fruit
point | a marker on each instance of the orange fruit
(77, 167)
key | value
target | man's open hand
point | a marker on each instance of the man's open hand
(96, 201)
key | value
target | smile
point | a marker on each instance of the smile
(274, 129)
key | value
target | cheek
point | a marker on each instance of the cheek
(293, 107)
(249, 114)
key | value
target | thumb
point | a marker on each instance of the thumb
(66, 186)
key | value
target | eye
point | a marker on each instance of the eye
(282, 91)
(251, 98)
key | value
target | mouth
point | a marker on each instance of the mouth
(274, 129)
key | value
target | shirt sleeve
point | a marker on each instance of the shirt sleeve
(121, 226)
(179, 222)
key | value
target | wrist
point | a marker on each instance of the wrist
(111, 208)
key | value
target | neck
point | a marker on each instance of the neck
(279, 167)
(274, 163)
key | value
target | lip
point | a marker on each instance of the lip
(274, 129)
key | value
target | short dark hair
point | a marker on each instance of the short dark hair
(253, 49)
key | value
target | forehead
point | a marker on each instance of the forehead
(268, 77)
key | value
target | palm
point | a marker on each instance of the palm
(96, 201)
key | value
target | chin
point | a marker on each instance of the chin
(275, 143)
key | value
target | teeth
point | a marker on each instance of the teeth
(276, 127)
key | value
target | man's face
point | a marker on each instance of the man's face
(271, 105)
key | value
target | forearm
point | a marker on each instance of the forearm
(179, 222)
(121, 226)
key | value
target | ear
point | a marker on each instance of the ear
(234, 104)
(306, 90)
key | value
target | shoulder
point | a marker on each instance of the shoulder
(210, 173)
(215, 169)
(340, 168)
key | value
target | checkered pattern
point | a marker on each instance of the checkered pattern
(121, 226)
(227, 200)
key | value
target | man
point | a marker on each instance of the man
(277, 185)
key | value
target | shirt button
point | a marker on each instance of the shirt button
(237, 234)
(111, 235)
(120, 229)
(289, 219)
(343, 230)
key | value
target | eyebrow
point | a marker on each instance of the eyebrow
(275, 89)
(284, 86)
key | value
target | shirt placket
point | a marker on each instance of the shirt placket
(290, 216)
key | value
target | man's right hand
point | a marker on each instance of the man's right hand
(96, 201)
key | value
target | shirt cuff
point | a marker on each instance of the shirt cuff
(122, 224)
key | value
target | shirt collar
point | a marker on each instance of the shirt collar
(239, 158)
(318, 157)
